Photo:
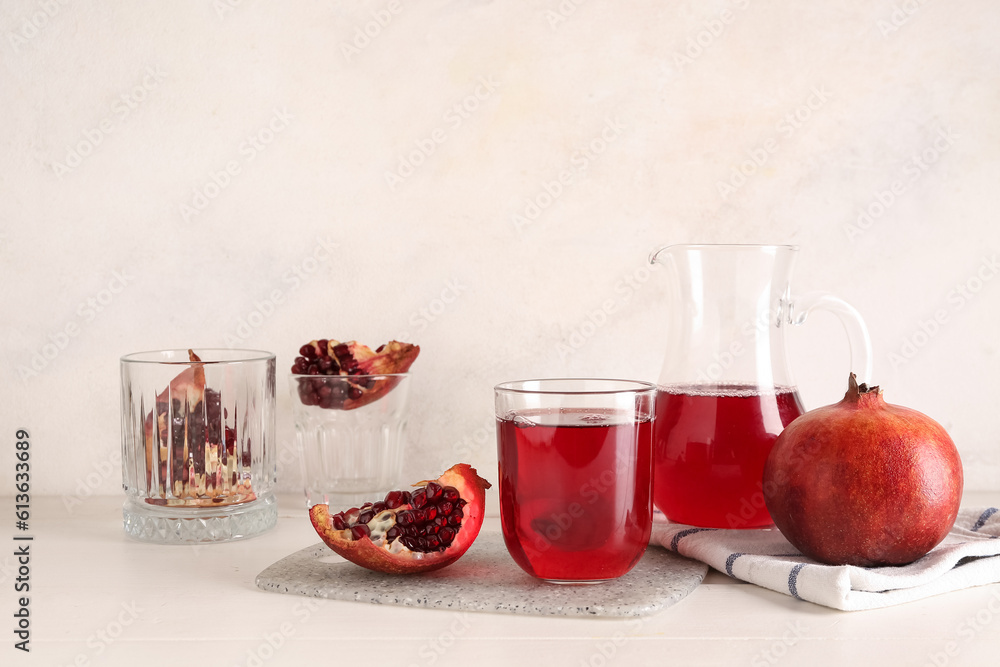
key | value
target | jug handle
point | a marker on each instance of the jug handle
(850, 318)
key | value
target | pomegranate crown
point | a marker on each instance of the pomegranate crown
(855, 391)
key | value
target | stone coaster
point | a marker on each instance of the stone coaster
(487, 579)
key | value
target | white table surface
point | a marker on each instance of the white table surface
(99, 598)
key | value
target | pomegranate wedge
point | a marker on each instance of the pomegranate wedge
(330, 357)
(409, 531)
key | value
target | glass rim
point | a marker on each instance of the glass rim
(183, 360)
(729, 246)
(654, 256)
(638, 387)
(348, 377)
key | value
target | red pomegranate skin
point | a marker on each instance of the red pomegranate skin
(863, 482)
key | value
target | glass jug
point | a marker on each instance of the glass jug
(725, 391)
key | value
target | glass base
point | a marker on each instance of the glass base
(167, 525)
(585, 582)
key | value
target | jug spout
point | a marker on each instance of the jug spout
(659, 255)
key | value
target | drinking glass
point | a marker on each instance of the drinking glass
(575, 475)
(350, 454)
(198, 461)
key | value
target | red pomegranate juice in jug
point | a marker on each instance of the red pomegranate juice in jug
(710, 443)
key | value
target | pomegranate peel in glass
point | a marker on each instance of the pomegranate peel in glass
(196, 450)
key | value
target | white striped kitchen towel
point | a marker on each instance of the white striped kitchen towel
(968, 556)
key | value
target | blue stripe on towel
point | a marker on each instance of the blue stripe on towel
(729, 563)
(983, 518)
(792, 578)
(685, 533)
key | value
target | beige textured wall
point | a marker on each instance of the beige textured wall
(176, 165)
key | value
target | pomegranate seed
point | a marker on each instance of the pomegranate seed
(312, 370)
(323, 344)
(450, 494)
(433, 491)
(454, 521)
(340, 350)
(338, 522)
(392, 534)
(432, 529)
(380, 348)
(418, 499)
(325, 364)
(366, 516)
(307, 351)
(441, 521)
(355, 392)
(359, 531)
(404, 518)
(419, 516)
(394, 499)
(447, 535)
(366, 506)
(445, 508)
(378, 507)
(430, 513)
(461, 502)
(433, 542)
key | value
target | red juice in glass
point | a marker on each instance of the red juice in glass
(710, 444)
(575, 491)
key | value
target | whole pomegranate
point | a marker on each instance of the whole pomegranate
(863, 482)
